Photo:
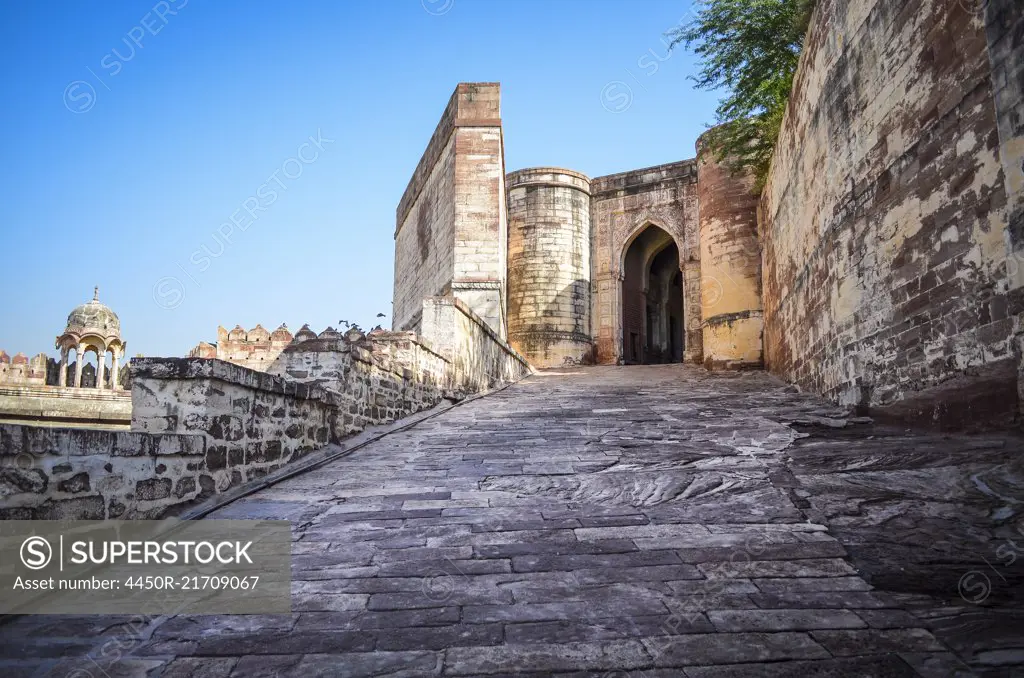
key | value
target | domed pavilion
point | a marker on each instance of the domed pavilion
(92, 327)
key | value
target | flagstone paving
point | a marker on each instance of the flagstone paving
(642, 521)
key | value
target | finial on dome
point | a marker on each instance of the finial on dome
(96, 293)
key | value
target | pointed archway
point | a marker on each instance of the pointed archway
(652, 299)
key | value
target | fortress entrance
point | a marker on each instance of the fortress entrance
(652, 299)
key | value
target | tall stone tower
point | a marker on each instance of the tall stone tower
(451, 235)
(549, 266)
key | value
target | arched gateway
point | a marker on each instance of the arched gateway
(652, 299)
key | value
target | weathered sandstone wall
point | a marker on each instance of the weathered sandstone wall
(1005, 34)
(202, 427)
(330, 358)
(451, 237)
(479, 358)
(730, 266)
(622, 206)
(55, 404)
(252, 422)
(80, 474)
(379, 377)
(255, 349)
(23, 370)
(884, 221)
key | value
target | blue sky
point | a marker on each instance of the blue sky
(136, 134)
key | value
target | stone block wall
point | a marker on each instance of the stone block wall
(479, 358)
(549, 266)
(622, 206)
(203, 426)
(81, 474)
(252, 422)
(451, 234)
(425, 239)
(380, 377)
(1005, 35)
(885, 217)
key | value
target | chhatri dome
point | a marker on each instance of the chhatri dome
(91, 327)
(94, 318)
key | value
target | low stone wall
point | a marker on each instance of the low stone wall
(80, 474)
(66, 406)
(252, 422)
(202, 427)
(479, 358)
(328, 359)
(380, 377)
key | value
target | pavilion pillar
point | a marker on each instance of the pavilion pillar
(62, 377)
(115, 371)
(78, 366)
(101, 366)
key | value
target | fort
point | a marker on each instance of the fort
(774, 423)
(879, 267)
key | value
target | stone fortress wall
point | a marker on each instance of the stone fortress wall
(30, 392)
(569, 245)
(730, 267)
(23, 370)
(880, 266)
(255, 349)
(893, 211)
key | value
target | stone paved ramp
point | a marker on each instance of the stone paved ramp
(645, 521)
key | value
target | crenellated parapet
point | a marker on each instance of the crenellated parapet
(256, 349)
(21, 369)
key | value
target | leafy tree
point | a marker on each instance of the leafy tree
(749, 48)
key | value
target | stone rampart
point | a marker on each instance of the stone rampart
(887, 218)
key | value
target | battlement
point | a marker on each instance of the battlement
(256, 348)
(21, 369)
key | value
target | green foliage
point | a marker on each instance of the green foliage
(749, 48)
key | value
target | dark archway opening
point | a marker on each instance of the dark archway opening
(652, 300)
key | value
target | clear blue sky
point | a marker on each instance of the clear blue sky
(124, 161)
